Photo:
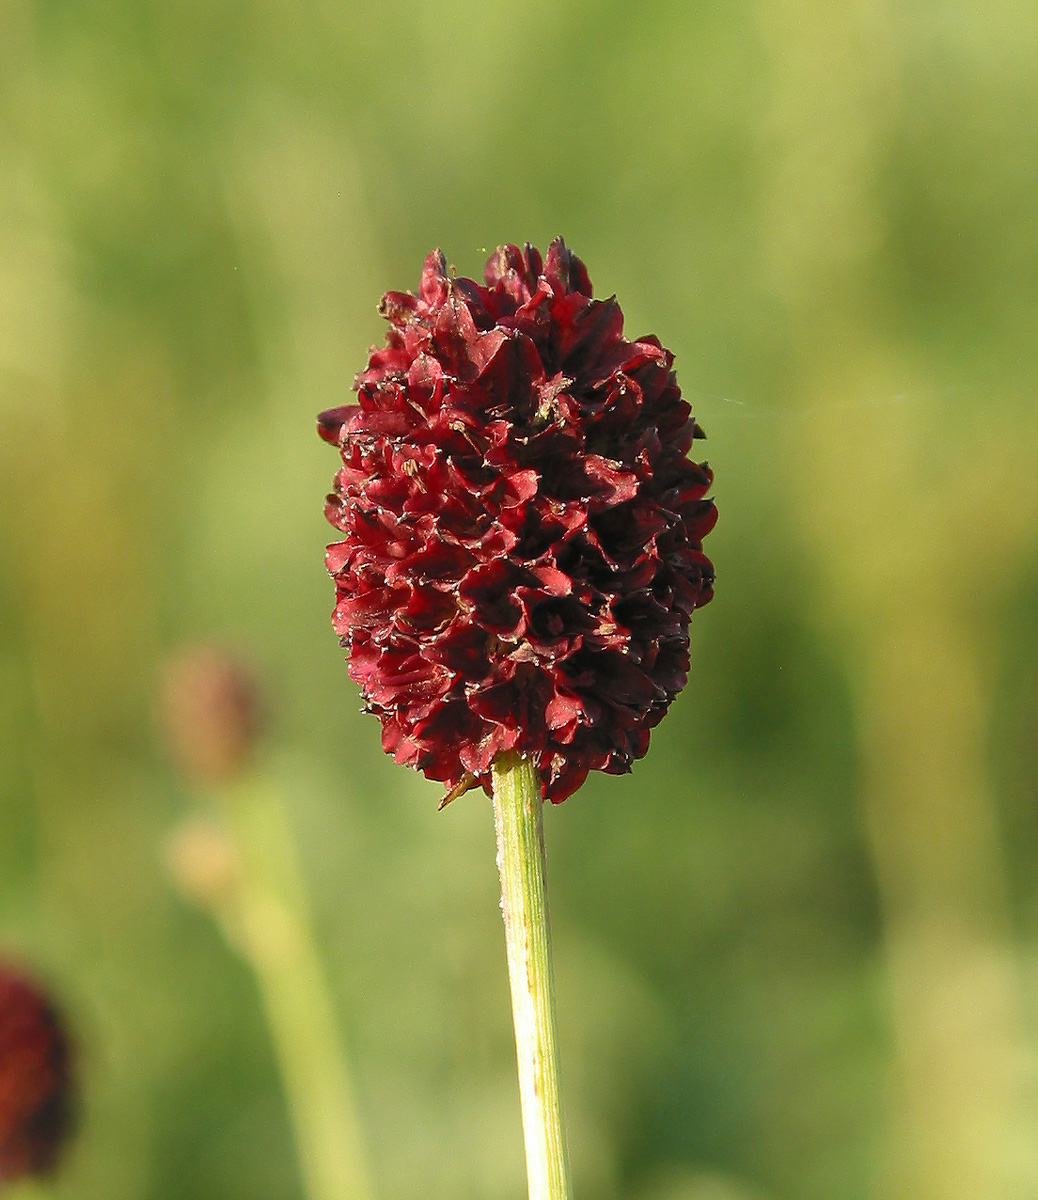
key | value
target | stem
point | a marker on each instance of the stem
(521, 863)
(29, 1189)
(266, 917)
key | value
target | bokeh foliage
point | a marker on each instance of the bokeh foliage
(798, 948)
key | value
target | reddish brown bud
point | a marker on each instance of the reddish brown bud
(211, 713)
(35, 1079)
(523, 528)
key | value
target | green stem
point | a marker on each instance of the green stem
(267, 918)
(521, 863)
(28, 1189)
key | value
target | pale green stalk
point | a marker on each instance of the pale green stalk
(521, 864)
(27, 1189)
(263, 912)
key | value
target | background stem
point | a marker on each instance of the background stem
(28, 1189)
(521, 863)
(263, 913)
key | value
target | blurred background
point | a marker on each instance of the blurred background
(797, 950)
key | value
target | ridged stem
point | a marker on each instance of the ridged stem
(524, 905)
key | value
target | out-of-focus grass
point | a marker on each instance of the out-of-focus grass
(796, 948)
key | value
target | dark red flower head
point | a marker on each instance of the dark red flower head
(35, 1079)
(523, 527)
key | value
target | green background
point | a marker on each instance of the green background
(797, 949)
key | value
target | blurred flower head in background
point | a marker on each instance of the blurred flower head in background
(212, 713)
(35, 1079)
(523, 526)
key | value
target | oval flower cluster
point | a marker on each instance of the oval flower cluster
(523, 527)
(35, 1079)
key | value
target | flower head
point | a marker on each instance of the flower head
(212, 713)
(35, 1079)
(523, 527)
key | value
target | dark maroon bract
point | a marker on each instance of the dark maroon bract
(523, 527)
(35, 1079)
